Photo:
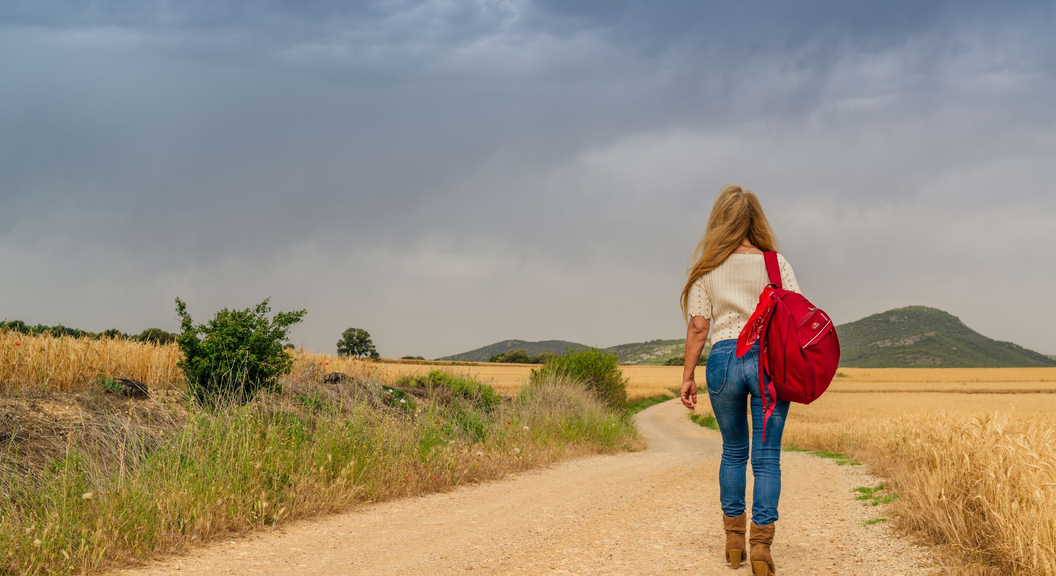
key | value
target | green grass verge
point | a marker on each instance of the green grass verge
(705, 420)
(873, 521)
(130, 493)
(640, 404)
(874, 496)
(840, 459)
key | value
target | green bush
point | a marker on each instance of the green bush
(480, 394)
(467, 403)
(599, 371)
(235, 355)
(512, 357)
(680, 360)
(522, 357)
(544, 357)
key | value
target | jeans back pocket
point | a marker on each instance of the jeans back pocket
(716, 369)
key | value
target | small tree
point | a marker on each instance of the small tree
(235, 355)
(356, 342)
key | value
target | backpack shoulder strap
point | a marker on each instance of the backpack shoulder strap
(772, 268)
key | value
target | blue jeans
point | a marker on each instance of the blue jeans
(732, 383)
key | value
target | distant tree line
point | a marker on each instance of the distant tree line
(681, 360)
(522, 357)
(153, 335)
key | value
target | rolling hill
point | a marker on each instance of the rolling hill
(651, 352)
(484, 353)
(918, 336)
(914, 336)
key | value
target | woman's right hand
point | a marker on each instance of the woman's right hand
(689, 393)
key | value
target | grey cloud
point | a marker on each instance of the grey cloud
(450, 174)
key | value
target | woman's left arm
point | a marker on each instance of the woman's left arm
(696, 335)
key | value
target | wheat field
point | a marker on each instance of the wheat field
(62, 364)
(47, 363)
(971, 454)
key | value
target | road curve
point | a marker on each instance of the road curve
(651, 512)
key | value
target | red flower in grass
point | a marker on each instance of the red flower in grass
(18, 343)
(508, 422)
(327, 363)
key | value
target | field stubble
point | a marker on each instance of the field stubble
(971, 454)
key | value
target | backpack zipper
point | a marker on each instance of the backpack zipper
(812, 311)
(820, 332)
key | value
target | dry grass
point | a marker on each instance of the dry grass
(50, 364)
(836, 407)
(62, 364)
(507, 379)
(39, 364)
(968, 375)
(45, 363)
(984, 486)
(115, 491)
(971, 454)
(975, 472)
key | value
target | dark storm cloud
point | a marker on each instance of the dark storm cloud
(446, 174)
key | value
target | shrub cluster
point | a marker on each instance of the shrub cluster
(478, 393)
(598, 371)
(235, 355)
(521, 357)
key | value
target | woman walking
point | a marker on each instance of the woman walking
(720, 295)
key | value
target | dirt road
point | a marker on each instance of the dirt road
(652, 512)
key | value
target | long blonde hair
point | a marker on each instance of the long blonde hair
(735, 216)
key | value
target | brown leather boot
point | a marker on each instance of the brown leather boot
(761, 539)
(734, 527)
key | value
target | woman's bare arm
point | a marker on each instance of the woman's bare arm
(696, 335)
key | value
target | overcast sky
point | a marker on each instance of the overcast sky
(446, 174)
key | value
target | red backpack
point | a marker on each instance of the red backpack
(798, 347)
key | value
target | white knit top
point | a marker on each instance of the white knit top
(728, 294)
